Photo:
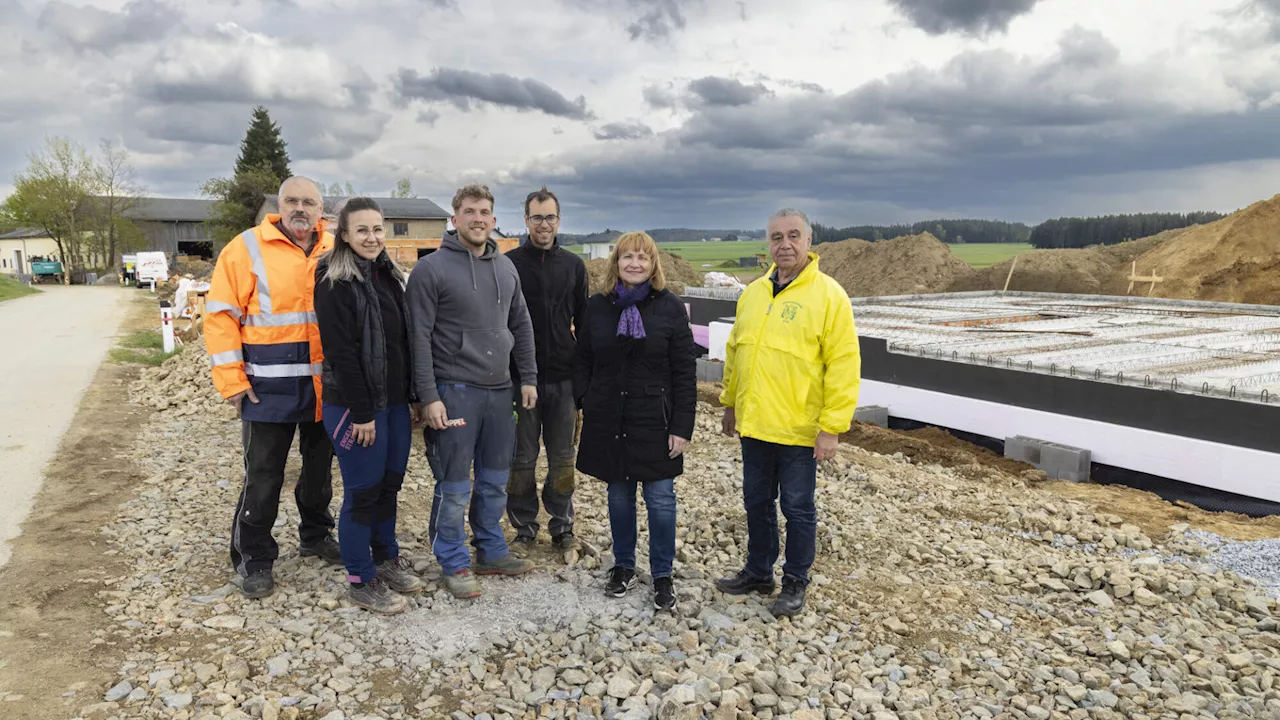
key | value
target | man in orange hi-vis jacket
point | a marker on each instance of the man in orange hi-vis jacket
(264, 346)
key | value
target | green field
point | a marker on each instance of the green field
(10, 288)
(979, 255)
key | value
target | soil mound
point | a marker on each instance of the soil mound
(904, 265)
(1236, 259)
(678, 271)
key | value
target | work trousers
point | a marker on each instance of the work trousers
(371, 481)
(551, 422)
(485, 443)
(266, 448)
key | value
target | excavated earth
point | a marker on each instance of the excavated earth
(941, 590)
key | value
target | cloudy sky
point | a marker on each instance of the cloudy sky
(660, 113)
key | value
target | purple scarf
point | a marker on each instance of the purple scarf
(630, 324)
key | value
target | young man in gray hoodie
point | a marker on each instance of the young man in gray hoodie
(468, 321)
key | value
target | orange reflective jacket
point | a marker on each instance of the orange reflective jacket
(260, 324)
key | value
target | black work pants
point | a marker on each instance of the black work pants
(266, 450)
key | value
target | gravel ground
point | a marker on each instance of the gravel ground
(938, 593)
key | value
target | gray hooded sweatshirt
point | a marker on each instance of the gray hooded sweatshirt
(467, 315)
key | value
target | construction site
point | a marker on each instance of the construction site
(1057, 501)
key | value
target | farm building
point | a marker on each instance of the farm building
(18, 247)
(174, 226)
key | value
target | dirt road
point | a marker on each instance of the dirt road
(59, 337)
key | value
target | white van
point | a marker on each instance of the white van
(151, 265)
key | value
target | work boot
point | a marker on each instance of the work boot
(664, 594)
(327, 549)
(258, 585)
(742, 583)
(790, 601)
(620, 581)
(565, 541)
(462, 584)
(523, 541)
(377, 596)
(506, 565)
(397, 573)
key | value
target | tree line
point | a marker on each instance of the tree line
(82, 201)
(948, 231)
(1074, 232)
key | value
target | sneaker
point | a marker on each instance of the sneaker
(258, 585)
(664, 594)
(462, 584)
(377, 596)
(742, 583)
(505, 565)
(397, 573)
(327, 549)
(620, 581)
(565, 541)
(790, 601)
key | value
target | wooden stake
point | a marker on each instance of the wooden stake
(1010, 277)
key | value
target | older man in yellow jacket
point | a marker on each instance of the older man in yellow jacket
(791, 376)
(264, 345)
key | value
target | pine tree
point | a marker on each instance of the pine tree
(263, 147)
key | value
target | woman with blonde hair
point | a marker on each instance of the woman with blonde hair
(636, 382)
(363, 320)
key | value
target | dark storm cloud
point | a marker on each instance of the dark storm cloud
(466, 88)
(628, 130)
(713, 90)
(90, 28)
(972, 17)
(987, 129)
(659, 97)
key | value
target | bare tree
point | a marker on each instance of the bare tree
(118, 193)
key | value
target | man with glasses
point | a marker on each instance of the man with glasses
(554, 282)
(264, 345)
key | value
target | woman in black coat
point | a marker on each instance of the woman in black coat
(636, 382)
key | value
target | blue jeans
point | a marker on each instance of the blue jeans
(486, 442)
(660, 500)
(772, 472)
(371, 480)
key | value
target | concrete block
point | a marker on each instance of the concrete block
(1022, 448)
(1058, 461)
(872, 414)
(1065, 462)
(710, 370)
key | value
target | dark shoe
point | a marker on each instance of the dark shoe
(377, 596)
(524, 541)
(620, 581)
(742, 583)
(398, 574)
(565, 541)
(327, 549)
(258, 585)
(790, 601)
(664, 594)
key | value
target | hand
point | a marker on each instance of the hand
(528, 396)
(418, 415)
(729, 423)
(237, 399)
(437, 416)
(364, 432)
(676, 445)
(825, 448)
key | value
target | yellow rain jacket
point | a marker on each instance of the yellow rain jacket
(260, 323)
(792, 363)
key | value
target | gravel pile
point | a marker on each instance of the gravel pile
(938, 593)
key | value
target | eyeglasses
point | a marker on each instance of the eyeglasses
(539, 219)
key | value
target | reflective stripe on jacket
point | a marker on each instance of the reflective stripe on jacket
(792, 364)
(260, 324)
